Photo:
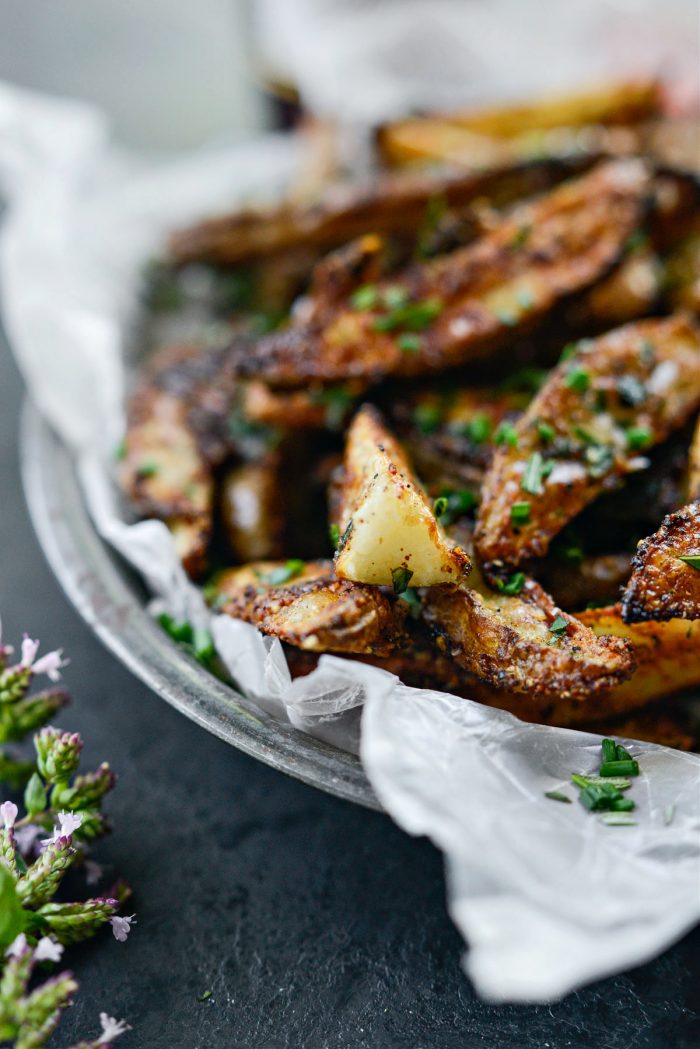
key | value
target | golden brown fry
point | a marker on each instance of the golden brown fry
(385, 520)
(252, 510)
(390, 203)
(524, 643)
(310, 608)
(682, 267)
(460, 307)
(664, 583)
(588, 427)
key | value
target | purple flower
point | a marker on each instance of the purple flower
(47, 950)
(68, 822)
(111, 1028)
(121, 927)
(25, 838)
(8, 812)
(17, 947)
(5, 650)
(49, 664)
(93, 871)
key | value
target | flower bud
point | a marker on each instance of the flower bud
(58, 753)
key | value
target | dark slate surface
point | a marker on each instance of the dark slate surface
(314, 923)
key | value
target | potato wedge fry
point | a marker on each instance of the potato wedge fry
(588, 427)
(461, 306)
(306, 606)
(665, 582)
(524, 643)
(388, 528)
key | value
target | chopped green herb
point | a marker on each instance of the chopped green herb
(409, 342)
(535, 470)
(619, 768)
(344, 537)
(334, 533)
(400, 578)
(178, 630)
(506, 434)
(521, 237)
(458, 503)
(556, 795)
(623, 805)
(414, 604)
(569, 351)
(365, 298)
(631, 390)
(394, 297)
(205, 996)
(513, 586)
(609, 748)
(578, 379)
(120, 450)
(545, 431)
(148, 469)
(638, 437)
(669, 813)
(203, 645)
(690, 559)
(283, 573)
(617, 819)
(427, 417)
(412, 316)
(621, 754)
(520, 514)
(558, 627)
(478, 429)
(618, 782)
(440, 505)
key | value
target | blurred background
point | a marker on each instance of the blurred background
(173, 74)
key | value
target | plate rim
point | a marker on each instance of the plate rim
(94, 580)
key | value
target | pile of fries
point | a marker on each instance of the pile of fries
(445, 424)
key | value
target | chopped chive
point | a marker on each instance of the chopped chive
(440, 505)
(148, 469)
(638, 437)
(669, 813)
(344, 537)
(545, 431)
(365, 297)
(414, 603)
(578, 379)
(387, 322)
(400, 578)
(478, 429)
(619, 768)
(411, 316)
(621, 754)
(690, 559)
(334, 533)
(282, 574)
(427, 417)
(513, 586)
(520, 514)
(459, 502)
(205, 996)
(569, 351)
(506, 434)
(556, 795)
(599, 460)
(535, 470)
(409, 342)
(609, 748)
(178, 630)
(120, 450)
(618, 782)
(623, 805)
(617, 819)
(203, 645)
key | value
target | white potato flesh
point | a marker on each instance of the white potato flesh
(385, 519)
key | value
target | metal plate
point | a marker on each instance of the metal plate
(110, 599)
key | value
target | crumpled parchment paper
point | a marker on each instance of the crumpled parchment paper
(546, 896)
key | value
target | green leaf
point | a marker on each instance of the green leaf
(691, 559)
(12, 916)
(35, 795)
(401, 577)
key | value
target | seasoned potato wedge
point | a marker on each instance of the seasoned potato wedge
(316, 408)
(306, 606)
(524, 643)
(461, 306)
(388, 528)
(588, 427)
(665, 582)
(251, 508)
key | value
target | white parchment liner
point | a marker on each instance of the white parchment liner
(546, 896)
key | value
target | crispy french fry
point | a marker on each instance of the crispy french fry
(665, 582)
(388, 527)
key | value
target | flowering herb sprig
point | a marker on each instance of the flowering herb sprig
(62, 815)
